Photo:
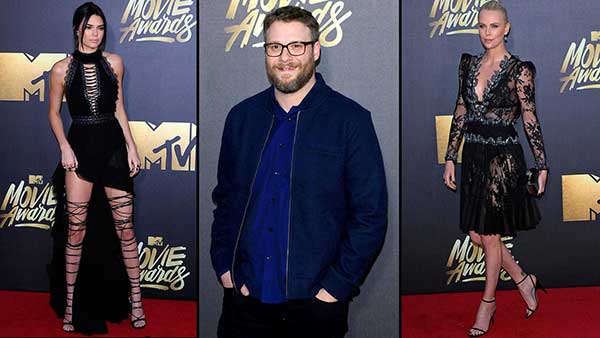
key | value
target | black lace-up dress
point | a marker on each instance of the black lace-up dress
(101, 290)
(493, 195)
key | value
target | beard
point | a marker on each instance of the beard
(291, 85)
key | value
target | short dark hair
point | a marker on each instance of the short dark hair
(289, 14)
(83, 14)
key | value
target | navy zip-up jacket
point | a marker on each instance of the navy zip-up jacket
(338, 196)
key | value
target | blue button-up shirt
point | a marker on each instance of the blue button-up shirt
(271, 203)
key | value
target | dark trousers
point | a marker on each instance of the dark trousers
(247, 317)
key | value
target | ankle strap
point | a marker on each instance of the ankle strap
(522, 280)
(488, 301)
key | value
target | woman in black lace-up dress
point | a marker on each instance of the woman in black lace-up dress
(94, 272)
(496, 89)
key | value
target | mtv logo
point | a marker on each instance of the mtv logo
(36, 179)
(170, 145)
(23, 76)
(581, 197)
(155, 241)
(442, 132)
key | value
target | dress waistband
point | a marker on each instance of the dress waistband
(92, 119)
(494, 134)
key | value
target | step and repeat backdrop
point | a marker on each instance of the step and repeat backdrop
(157, 40)
(359, 58)
(562, 39)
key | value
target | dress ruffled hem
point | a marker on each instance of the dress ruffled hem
(493, 193)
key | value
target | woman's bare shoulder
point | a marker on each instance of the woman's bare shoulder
(60, 67)
(113, 58)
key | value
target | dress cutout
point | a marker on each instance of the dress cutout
(493, 193)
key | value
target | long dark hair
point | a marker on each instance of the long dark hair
(83, 14)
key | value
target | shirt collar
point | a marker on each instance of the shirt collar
(277, 109)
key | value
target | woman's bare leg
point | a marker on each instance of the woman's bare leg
(515, 271)
(493, 261)
(78, 198)
(508, 262)
(121, 204)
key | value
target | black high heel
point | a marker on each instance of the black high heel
(68, 323)
(135, 319)
(536, 285)
(482, 331)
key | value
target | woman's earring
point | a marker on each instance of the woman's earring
(506, 38)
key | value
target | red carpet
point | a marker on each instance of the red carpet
(563, 313)
(28, 314)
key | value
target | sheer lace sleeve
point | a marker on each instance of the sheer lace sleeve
(458, 119)
(526, 93)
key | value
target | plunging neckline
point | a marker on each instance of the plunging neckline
(491, 81)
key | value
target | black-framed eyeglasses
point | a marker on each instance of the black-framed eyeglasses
(295, 48)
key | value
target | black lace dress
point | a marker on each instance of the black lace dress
(493, 194)
(102, 288)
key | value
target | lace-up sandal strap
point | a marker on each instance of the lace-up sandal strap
(69, 328)
(135, 320)
(524, 278)
(478, 330)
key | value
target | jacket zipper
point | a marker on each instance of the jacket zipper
(287, 255)
(248, 203)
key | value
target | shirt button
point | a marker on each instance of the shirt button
(273, 199)
(268, 258)
(281, 145)
(276, 173)
(289, 118)
(270, 229)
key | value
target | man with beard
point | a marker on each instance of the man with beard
(301, 200)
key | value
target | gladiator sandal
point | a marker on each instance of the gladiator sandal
(76, 213)
(122, 209)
